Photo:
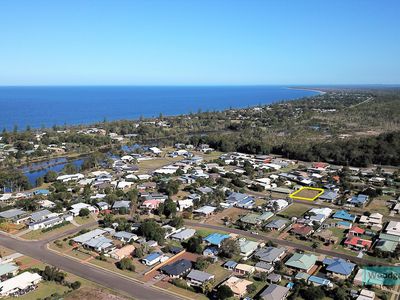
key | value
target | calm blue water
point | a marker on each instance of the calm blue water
(40, 169)
(48, 106)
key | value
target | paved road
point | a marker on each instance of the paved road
(357, 260)
(39, 251)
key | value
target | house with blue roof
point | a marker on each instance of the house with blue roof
(338, 267)
(344, 225)
(344, 215)
(319, 281)
(240, 200)
(329, 196)
(246, 203)
(359, 200)
(215, 239)
(152, 258)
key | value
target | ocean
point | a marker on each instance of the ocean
(72, 105)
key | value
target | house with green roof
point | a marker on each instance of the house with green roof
(256, 219)
(247, 247)
(387, 242)
(301, 262)
(7, 269)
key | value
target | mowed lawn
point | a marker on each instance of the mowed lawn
(218, 271)
(294, 210)
(38, 234)
(83, 220)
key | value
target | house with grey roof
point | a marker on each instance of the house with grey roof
(88, 235)
(15, 215)
(46, 223)
(276, 225)
(121, 204)
(275, 292)
(270, 254)
(205, 210)
(263, 266)
(99, 244)
(198, 278)
(125, 236)
(183, 235)
(40, 215)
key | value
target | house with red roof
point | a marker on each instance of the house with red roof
(357, 243)
(301, 230)
(355, 231)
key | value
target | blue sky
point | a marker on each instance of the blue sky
(200, 42)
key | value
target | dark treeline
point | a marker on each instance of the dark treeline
(383, 149)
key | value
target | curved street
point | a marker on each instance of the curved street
(39, 250)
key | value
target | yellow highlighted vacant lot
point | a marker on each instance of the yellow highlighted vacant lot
(307, 193)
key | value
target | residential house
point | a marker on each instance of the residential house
(153, 258)
(20, 284)
(184, 204)
(183, 235)
(198, 278)
(357, 243)
(41, 215)
(344, 215)
(230, 265)
(237, 285)
(319, 215)
(76, 208)
(373, 220)
(302, 230)
(205, 210)
(215, 239)
(301, 262)
(244, 269)
(123, 252)
(366, 295)
(274, 278)
(262, 266)
(70, 177)
(14, 215)
(270, 254)
(177, 269)
(359, 200)
(7, 270)
(393, 228)
(275, 292)
(255, 219)
(89, 235)
(319, 281)
(276, 225)
(247, 247)
(123, 204)
(99, 244)
(329, 196)
(338, 267)
(278, 204)
(102, 205)
(125, 236)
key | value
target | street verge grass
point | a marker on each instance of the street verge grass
(39, 234)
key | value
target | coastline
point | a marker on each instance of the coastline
(306, 89)
(36, 107)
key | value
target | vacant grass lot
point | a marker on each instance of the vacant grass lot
(294, 210)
